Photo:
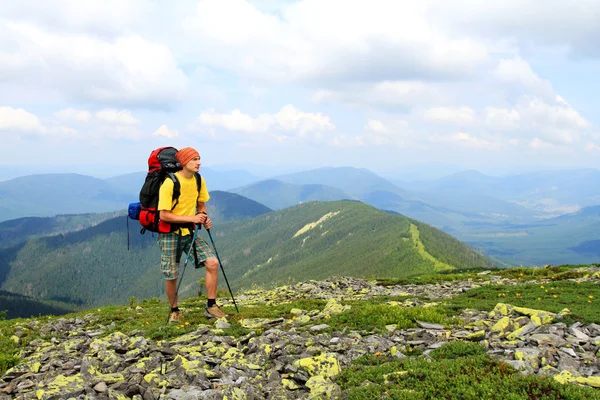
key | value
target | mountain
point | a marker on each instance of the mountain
(553, 192)
(309, 241)
(19, 306)
(222, 207)
(51, 194)
(277, 194)
(323, 239)
(48, 195)
(225, 206)
(437, 216)
(354, 181)
(18, 230)
(431, 208)
(215, 180)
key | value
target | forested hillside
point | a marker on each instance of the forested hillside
(310, 241)
(19, 306)
(64, 262)
(18, 230)
(322, 239)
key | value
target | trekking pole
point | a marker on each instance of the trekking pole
(187, 257)
(222, 269)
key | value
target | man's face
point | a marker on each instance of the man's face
(194, 164)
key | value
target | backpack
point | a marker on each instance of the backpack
(162, 164)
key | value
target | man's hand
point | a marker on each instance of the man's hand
(203, 220)
(199, 218)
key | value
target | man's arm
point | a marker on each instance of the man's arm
(169, 216)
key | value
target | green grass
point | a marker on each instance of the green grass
(371, 316)
(9, 349)
(432, 279)
(582, 299)
(459, 371)
(558, 272)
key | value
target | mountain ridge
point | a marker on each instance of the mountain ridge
(355, 239)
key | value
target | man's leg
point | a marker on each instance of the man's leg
(168, 264)
(211, 263)
(171, 289)
(212, 277)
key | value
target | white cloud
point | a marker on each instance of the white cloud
(164, 131)
(519, 71)
(466, 140)
(394, 132)
(558, 122)
(127, 69)
(72, 114)
(25, 124)
(236, 121)
(535, 23)
(107, 18)
(287, 120)
(501, 119)
(384, 94)
(291, 119)
(329, 39)
(112, 116)
(450, 115)
(19, 120)
(589, 146)
(538, 144)
(377, 126)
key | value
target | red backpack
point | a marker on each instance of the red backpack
(162, 164)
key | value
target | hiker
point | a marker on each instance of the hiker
(190, 209)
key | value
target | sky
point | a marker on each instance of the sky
(392, 86)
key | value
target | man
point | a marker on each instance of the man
(189, 209)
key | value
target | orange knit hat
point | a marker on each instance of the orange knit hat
(186, 154)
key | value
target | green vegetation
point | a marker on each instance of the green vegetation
(225, 206)
(93, 267)
(459, 371)
(437, 265)
(18, 306)
(319, 240)
(17, 231)
(456, 370)
(366, 316)
(580, 298)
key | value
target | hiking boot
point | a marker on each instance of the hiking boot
(175, 316)
(215, 312)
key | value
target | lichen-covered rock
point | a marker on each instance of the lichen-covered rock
(280, 358)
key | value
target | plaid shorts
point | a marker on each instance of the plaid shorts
(167, 242)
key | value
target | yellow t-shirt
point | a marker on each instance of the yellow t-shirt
(188, 197)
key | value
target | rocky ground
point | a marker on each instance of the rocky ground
(287, 358)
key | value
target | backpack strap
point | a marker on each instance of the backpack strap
(198, 184)
(176, 188)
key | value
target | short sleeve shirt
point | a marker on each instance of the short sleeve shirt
(187, 204)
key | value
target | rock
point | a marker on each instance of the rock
(287, 358)
(101, 387)
(427, 325)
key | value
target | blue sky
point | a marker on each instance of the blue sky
(385, 85)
